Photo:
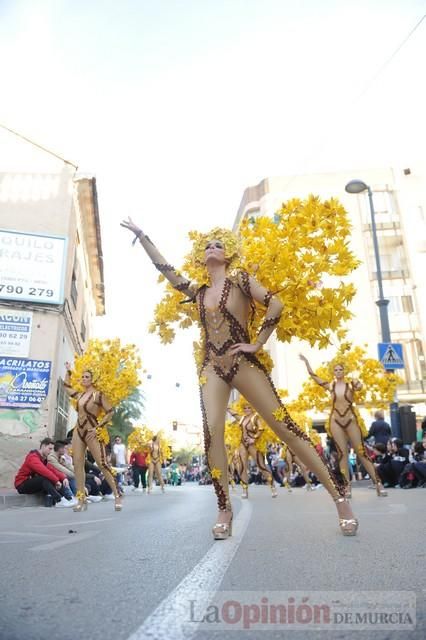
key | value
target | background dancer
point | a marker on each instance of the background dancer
(344, 427)
(90, 403)
(250, 432)
(155, 462)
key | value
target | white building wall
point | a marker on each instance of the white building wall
(364, 329)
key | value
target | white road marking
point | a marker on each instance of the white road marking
(171, 617)
(70, 539)
(74, 523)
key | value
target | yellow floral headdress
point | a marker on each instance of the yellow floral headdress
(197, 268)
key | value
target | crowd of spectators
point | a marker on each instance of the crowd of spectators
(49, 470)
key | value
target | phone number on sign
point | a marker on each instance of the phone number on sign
(32, 399)
(26, 291)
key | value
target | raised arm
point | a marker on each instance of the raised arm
(67, 383)
(234, 414)
(177, 281)
(274, 306)
(315, 378)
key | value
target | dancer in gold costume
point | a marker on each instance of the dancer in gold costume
(230, 361)
(251, 430)
(90, 403)
(154, 466)
(344, 427)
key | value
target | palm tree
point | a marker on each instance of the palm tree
(131, 408)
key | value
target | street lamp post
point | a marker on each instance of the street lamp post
(358, 186)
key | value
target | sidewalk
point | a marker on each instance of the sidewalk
(11, 498)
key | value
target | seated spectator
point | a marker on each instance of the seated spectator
(414, 474)
(380, 429)
(96, 485)
(37, 475)
(57, 459)
(393, 463)
(378, 452)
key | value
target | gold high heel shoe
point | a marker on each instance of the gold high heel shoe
(245, 490)
(117, 504)
(222, 530)
(82, 502)
(273, 491)
(348, 526)
(381, 492)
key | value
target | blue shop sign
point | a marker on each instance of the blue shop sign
(24, 382)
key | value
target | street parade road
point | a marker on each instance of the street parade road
(151, 571)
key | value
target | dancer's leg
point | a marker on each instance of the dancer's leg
(78, 457)
(266, 473)
(288, 470)
(303, 471)
(150, 476)
(355, 438)
(244, 456)
(214, 396)
(253, 383)
(97, 449)
(340, 439)
(260, 462)
(158, 473)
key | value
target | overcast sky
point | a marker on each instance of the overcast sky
(177, 105)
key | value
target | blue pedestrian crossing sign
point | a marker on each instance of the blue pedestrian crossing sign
(390, 355)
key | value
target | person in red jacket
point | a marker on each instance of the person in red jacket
(38, 475)
(139, 469)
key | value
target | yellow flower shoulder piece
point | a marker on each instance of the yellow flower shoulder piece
(292, 255)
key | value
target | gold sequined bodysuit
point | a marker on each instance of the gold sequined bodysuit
(342, 408)
(226, 325)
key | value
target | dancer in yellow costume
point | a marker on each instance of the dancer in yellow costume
(230, 361)
(90, 403)
(344, 427)
(155, 462)
(250, 432)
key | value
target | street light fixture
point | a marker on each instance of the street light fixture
(356, 187)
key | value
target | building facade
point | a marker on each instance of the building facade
(51, 289)
(399, 197)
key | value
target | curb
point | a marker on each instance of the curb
(8, 501)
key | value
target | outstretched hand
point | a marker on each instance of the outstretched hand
(303, 358)
(129, 224)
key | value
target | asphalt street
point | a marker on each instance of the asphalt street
(152, 570)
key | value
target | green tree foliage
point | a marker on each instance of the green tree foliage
(126, 413)
(184, 456)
